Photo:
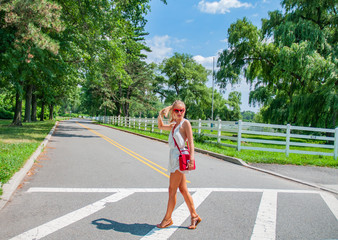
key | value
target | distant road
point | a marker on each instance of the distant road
(94, 182)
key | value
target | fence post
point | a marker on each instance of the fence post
(134, 122)
(199, 126)
(239, 135)
(125, 121)
(145, 124)
(287, 145)
(152, 125)
(219, 133)
(335, 154)
(139, 123)
(118, 120)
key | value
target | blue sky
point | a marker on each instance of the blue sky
(199, 28)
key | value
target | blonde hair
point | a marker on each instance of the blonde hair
(169, 110)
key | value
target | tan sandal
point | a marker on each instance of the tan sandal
(165, 223)
(194, 222)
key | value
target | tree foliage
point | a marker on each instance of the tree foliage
(291, 60)
(52, 52)
(181, 77)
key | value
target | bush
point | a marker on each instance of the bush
(201, 138)
(4, 114)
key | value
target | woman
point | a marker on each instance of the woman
(179, 128)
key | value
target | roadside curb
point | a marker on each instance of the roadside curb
(10, 187)
(237, 161)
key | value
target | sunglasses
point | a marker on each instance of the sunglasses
(179, 110)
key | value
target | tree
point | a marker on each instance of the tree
(185, 79)
(181, 77)
(26, 28)
(110, 82)
(248, 116)
(291, 61)
(234, 102)
(96, 45)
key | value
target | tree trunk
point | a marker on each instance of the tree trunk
(51, 108)
(118, 103)
(29, 90)
(18, 110)
(127, 110)
(42, 111)
(34, 107)
(126, 105)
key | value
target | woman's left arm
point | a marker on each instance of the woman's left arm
(188, 132)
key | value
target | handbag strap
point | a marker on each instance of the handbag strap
(176, 142)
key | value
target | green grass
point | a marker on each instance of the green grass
(17, 144)
(251, 156)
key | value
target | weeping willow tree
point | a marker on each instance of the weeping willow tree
(291, 61)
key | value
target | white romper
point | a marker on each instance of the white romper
(174, 153)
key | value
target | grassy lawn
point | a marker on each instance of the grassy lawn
(17, 144)
(251, 156)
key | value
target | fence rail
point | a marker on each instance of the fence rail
(241, 135)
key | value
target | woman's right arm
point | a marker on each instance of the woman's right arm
(161, 125)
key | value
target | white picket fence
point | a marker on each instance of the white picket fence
(240, 134)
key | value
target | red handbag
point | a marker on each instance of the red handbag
(184, 157)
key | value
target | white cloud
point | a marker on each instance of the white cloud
(160, 48)
(189, 21)
(205, 61)
(221, 6)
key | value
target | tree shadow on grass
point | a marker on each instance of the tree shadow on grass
(139, 229)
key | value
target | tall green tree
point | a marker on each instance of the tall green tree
(110, 81)
(184, 77)
(26, 28)
(292, 61)
(181, 77)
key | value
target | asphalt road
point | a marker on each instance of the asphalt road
(93, 182)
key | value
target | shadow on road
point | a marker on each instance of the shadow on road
(67, 131)
(139, 229)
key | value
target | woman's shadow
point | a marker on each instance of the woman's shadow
(139, 229)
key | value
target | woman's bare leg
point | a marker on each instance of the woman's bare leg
(175, 179)
(187, 197)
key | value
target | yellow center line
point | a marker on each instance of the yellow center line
(128, 151)
(110, 140)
